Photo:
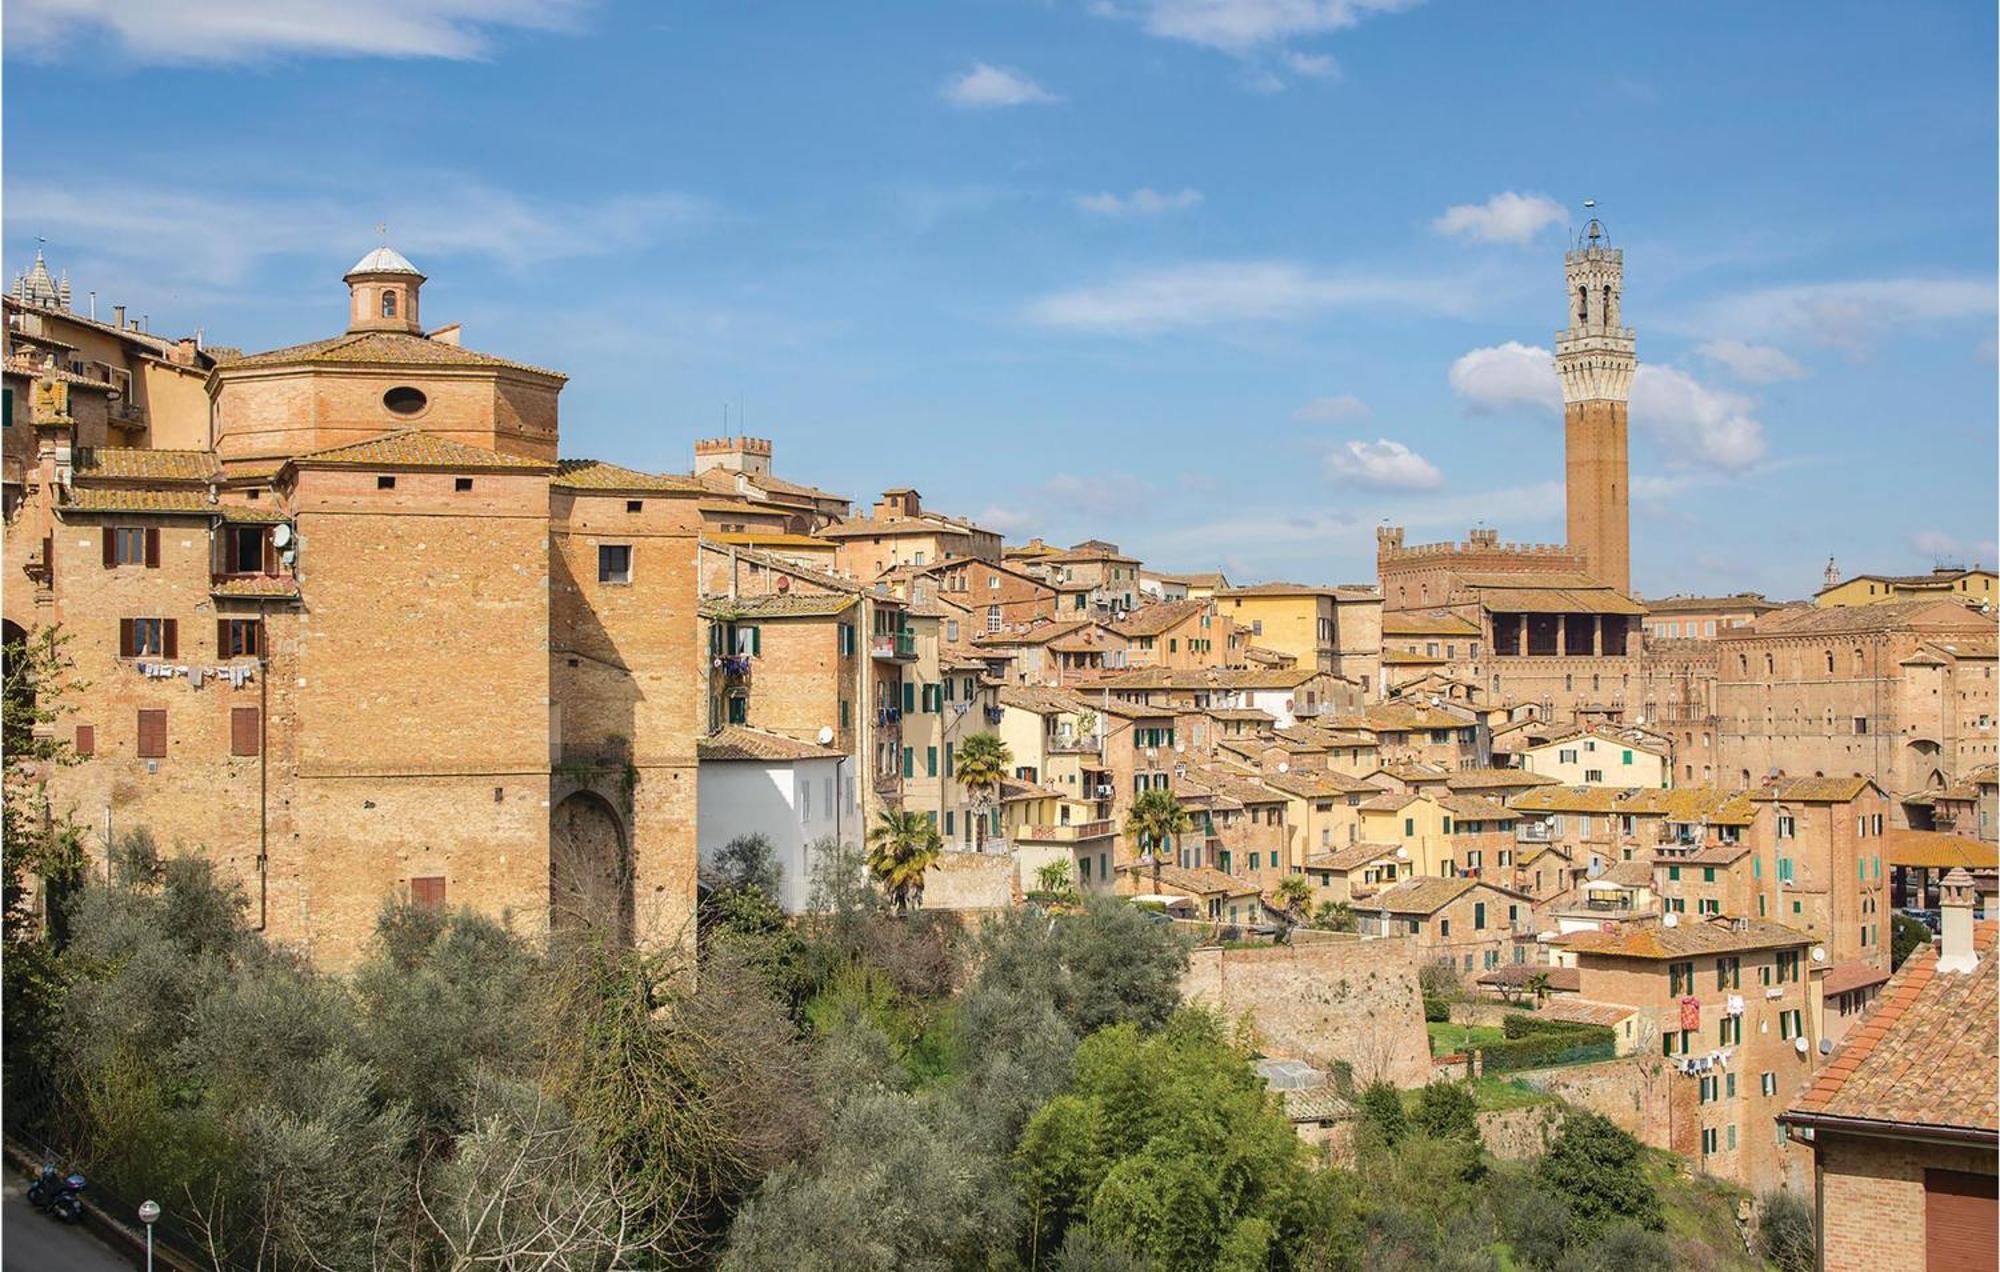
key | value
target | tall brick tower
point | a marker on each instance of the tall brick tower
(1595, 359)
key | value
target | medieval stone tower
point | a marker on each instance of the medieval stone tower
(1595, 359)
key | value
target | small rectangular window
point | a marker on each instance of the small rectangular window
(635, 505)
(86, 740)
(428, 892)
(385, 482)
(614, 563)
(243, 731)
(461, 483)
(152, 733)
(239, 637)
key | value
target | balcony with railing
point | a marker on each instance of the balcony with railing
(893, 646)
(1073, 832)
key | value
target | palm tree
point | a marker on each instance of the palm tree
(900, 849)
(1294, 894)
(983, 760)
(1156, 820)
(1538, 985)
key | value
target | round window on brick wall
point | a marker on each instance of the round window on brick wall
(405, 400)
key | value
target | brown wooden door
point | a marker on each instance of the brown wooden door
(1961, 1220)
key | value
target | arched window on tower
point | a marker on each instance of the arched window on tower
(1582, 306)
(388, 304)
(1606, 311)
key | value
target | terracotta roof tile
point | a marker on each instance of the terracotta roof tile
(415, 448)
(1937, 1024)
(133, 463)
(595, 474)
(1938, 850)
(740, 742)
(778, 605)
(1714, 936)
(389, 348)
(183, 502)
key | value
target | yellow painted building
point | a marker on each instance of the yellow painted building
(1973, 585)
(1419, 823)
(1336, 629)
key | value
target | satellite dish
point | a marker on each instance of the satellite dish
(825, 734)
(1180, 748)
(1402, 853)
(1819, 953)
(281, 534)
(1283, 767)
(1670, 919)
(1799, 1044)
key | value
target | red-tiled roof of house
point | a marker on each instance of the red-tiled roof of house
(416, 448)
(1714, 936)
(595, 474)
(1428, 895)
(1925, 1057)
(388, 348)
(741, 742)
(179, 502)
(136, 463)
(1939, 850)
(1843, 978)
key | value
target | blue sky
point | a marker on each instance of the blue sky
(1227, 281)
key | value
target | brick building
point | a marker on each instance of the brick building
(1904, 1122)
(1732, 1005)
(1901, 692)
(368, 638)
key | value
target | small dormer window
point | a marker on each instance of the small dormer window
(388, 304)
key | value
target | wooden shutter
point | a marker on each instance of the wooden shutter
(222, 638)
(152, 734)
(270, 553)
(110, 547)
(86, 740)
(243, 723)
(128, 639)
(1961, 1220)
(428, 892)
(152, 547)
(170, 642)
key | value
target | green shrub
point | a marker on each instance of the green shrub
(1436, 1010)
(1543, 1046)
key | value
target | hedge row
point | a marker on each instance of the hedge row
(1539, 1044)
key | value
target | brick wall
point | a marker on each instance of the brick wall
(1871, 1204)
(1351, 1000)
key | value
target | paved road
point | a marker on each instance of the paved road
(31, 1241)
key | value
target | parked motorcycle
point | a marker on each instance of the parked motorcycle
(57, 1194)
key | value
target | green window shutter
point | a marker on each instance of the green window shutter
(844, 714)
(756, 642)
(909, 762)
(948, 688)
(909, 697)
(1628, 757)
(715, 638)
(948, 817)
(947, 759)
(930, 761)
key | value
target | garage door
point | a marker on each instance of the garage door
(1961, 1220)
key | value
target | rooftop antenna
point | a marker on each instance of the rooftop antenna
(382, 232)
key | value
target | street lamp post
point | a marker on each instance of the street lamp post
(149, 1211)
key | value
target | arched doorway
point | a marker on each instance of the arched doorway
(590, 871)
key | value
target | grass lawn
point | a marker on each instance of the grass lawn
(1448, 1038)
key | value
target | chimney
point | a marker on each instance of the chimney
(1955, 937)
(118, 317)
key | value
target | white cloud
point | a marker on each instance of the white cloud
(1512, 374)
(1690, 421)
(1507, 217)
(984, 87)
(1753, 363)
(226, 31)
(1695, 423)
(1310, 65)
(1382, 465)
(216, 237)
(1938, 547)
(1850, 316)
(1145, 201)
(1328, 410)
(1242, 26)
(1207, 293)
